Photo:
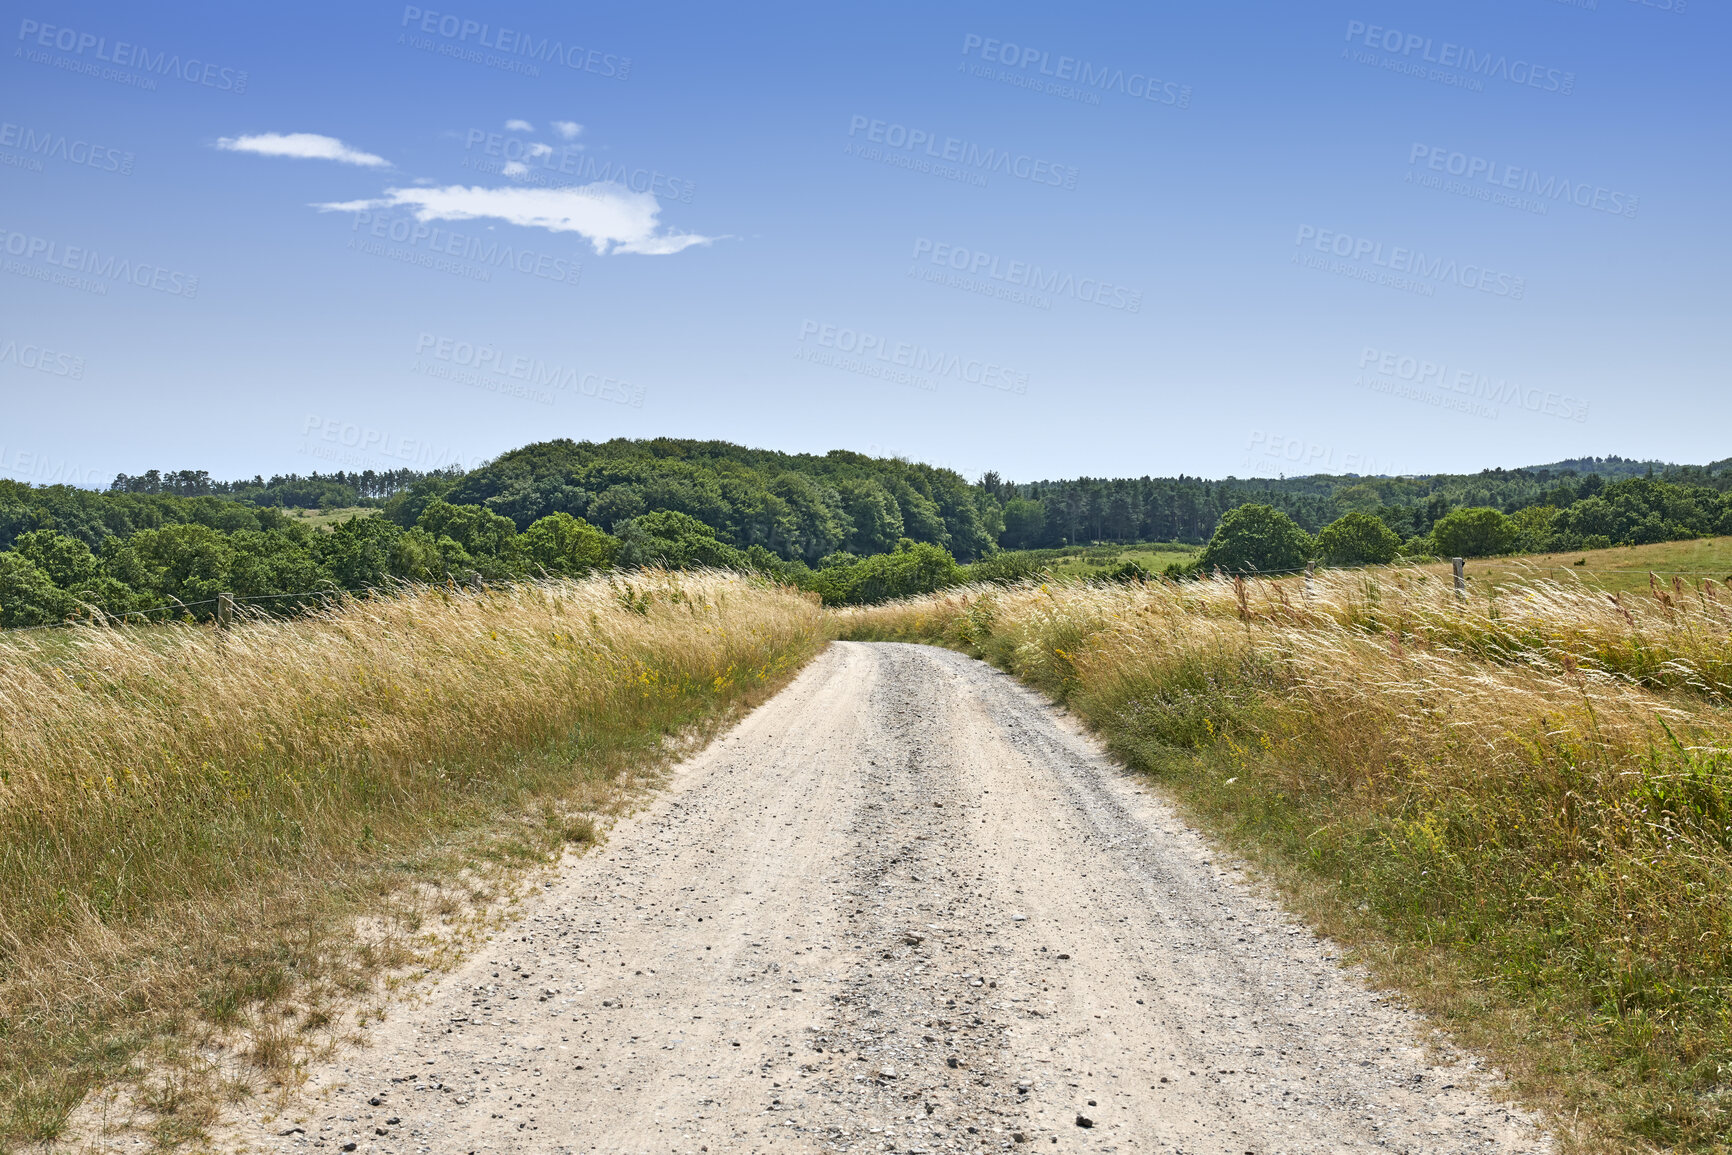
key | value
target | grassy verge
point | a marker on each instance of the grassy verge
(1518, 808)
(191, 824)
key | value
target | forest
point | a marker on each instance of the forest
(850, 527)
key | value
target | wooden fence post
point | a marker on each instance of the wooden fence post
(1460, 578)
(225, 610)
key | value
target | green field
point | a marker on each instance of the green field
(1622, 569)
(323, 517)
(1093, 560)
(1619, 570)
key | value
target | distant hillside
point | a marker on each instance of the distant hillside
(797, 505)
(1605, 467)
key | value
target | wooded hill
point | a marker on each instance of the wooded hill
(850, 526)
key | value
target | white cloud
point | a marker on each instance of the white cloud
(514, 168)
(302, 146)
(607, 215)
(538, 150)
(664, 245)
(519, 126)
(568, 129)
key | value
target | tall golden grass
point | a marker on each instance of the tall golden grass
(188, 816)
(1521, 807)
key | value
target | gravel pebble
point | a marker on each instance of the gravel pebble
(733, 970)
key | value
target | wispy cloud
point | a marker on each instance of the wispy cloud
(567, 129)
(519, 126)
(607, 215)
(302, 146)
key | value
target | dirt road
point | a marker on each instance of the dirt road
(902, 907)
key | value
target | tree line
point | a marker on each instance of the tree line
(1668, 504)
(341, 489)
(1258, 538)
(850, 527)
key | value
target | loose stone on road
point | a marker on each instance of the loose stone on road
(903, 906)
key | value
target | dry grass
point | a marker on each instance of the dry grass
(1520, 807)
(214, 850)
(192, 823)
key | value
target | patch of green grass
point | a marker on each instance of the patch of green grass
(1622, 569)
(1094, 560)
(318, 518)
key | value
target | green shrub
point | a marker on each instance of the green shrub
(1002, 568)
(1257, 539)
(27, 596)
(1357, 539)
(1418, 546)
(674, 540)
(915, 568)
(477, 530)
(566, 546)
(67, 561)
(1477, 531)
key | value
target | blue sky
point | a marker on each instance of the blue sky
(1051, 240)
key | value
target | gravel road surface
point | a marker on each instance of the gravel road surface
(904, 906)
